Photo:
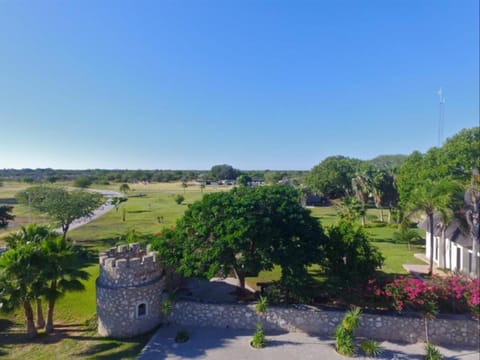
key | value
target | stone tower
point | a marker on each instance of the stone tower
(129, 291)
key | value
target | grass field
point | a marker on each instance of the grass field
(148, 209)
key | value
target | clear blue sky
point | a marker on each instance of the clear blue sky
(255, 84)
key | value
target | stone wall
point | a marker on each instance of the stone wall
(130, 279)
(454, 330)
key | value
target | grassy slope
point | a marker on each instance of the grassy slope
(142, 214)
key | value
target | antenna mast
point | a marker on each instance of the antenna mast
(441, 116)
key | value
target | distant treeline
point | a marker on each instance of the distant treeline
(101, 176)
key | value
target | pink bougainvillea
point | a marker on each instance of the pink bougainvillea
(457, 293)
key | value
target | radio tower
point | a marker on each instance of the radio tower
(441, 116)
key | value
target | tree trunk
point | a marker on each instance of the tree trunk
(430, 266)
(441, 248)
(381, 215)
(389, 215)
(426, 330)
(49, 324)
(241, 278)
(40, 318)
(30, 324)
(51, 306)
(65, 230)
(473, 221)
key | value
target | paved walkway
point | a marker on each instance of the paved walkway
(106, 207)
(233, 344)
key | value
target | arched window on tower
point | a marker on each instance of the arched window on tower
(141, 309)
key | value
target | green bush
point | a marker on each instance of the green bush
(344, 332)
(258, 340)
(432, 353)
(179, 198)
(349, 253)
(344, 341)
(371, 348)
(261, 306)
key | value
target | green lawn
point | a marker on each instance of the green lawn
(148, 209)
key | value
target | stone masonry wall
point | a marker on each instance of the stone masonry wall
(129, 277)
(455, 330)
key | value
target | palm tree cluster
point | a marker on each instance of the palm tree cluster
(40, 265)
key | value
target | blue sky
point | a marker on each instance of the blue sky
(256, 84)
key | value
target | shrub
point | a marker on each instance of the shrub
(349, 253)
(179, 198)
(261, 306)
(371, 348)
(258, 340)
(344, 332)
(182, 336)
(412, 294)
(459, 293)
(432, 353)
(344, 342)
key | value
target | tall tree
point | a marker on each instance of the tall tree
(224, 172)
(429, 198)
(62, 271)
(245, 230)
(32, 234)
(61, 205)
(19, 270)
(124, 188)
(472, 215)
(333, 176)
(6, 215)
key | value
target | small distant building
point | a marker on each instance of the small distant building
(313, 199)
(458, 246)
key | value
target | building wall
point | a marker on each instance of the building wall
(458, 330)
(130, 279)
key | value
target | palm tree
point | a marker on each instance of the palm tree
(472, 216)
(62, 272)
(19, 269)
(32, 234)
(431, 197)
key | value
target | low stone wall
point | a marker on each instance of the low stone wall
(452, 330)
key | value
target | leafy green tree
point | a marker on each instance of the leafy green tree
(179, 198)
(224, 172)
(202, 187)
(6, 215)
(82, 182)
(20, 269)
(62, 271)
(350, 209)
(431, 197)
(333, 176)
(245, 230)
(273, 177)
(124, 188)
(61, 205)
(384, 191)
(32, 234)
(349, 253)
(472, 216)
(117, 201)
(406, 236)
(244, 180)
(184, 186)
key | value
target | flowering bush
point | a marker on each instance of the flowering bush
(412, 294)
(459, 293)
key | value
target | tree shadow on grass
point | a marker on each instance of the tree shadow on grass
(103, 348)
